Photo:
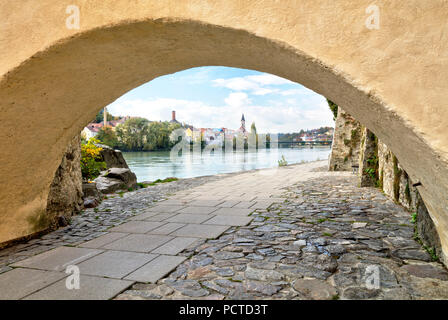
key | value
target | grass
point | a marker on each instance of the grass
(161, 181)
(282, 162)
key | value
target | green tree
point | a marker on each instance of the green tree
(132, 134)
(108, 137)
(158, 136)
(138, 134)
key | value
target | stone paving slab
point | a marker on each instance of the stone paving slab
(137, 226)
(229, 220)
(175, 246)
(19, 283)
(189, 218)
(244, 204)
(138, 243)
(200, 231)
(145, 215)
(103, 240)
(205, 203)
(161, 217)
(156, 269)
(198, 210)
(233, 211)
(262, 204)
(174, 202)
(91, 288)
(58, 259)
(229, 203)
(114, 264)
(165, 208)
(167, 228)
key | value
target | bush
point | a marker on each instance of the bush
(91, 164)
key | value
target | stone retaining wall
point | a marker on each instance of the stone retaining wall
(346, 142)
(379, 167)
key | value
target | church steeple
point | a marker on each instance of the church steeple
(243, 123)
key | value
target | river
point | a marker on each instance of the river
(150, 166)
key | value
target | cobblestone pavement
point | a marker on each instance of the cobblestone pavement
(295, 232)
(327, 239)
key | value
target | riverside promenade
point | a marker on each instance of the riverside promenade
(294, 232)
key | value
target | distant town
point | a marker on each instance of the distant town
(209, 136)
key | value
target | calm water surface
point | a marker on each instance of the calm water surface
(149, 166)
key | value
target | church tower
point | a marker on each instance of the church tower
(243, 124)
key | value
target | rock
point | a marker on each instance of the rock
(224, 272)
(144, 294)
(426, 271)
(65, 196)
(266, 251)
(358, 225)
(315, 289)
(63, 221)
(263, 275)
(115, 179)
(326, 263)
(91, 203)
(89, 189)
(215, 287)
(227, 255)
(202, 272)
(360, 293)
(335, 250)
(312, 272)
(254, 256)
(300, 243)
(190, 288)
(112, 158)
(261, 287)
(412, 254)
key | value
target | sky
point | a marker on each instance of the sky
(216, 97)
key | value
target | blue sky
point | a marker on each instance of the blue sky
(217, 96)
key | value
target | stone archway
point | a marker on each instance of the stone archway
(55, 79)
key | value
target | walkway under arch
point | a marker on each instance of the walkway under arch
(54, 80)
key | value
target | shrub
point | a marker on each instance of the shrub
(91, 164)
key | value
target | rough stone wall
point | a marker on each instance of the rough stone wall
(346, 143)
(396, 183)
(394, 180)
(65, 197)
(368, 159)
(379, 167)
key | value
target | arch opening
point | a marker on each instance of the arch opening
(51, 96)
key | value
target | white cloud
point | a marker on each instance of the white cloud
(287, 117)
(237, 99)
(255, 84)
